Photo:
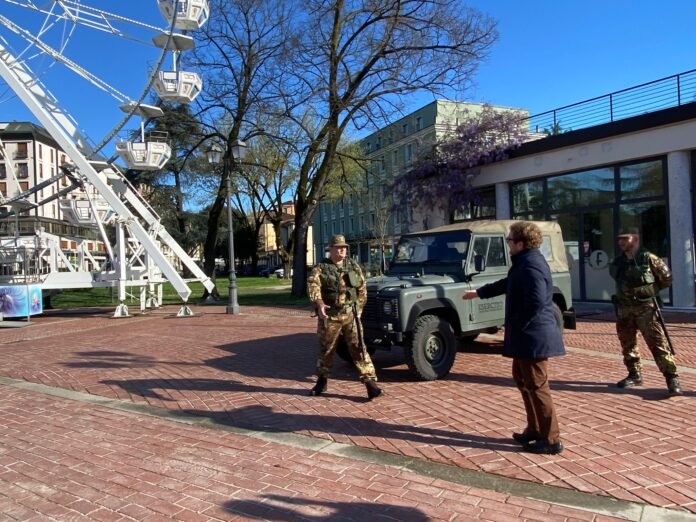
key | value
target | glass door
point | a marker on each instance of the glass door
(570, 228)
(598, 249)
(588, 235)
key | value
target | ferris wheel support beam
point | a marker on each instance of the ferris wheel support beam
(64, 133)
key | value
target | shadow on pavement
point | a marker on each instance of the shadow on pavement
(648, 394)
(255, 417)
(111, 359)
(346, 511)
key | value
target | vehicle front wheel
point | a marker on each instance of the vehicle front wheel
(433, 348)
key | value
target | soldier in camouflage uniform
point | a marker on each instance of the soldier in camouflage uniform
(639, 276)
(334, 285)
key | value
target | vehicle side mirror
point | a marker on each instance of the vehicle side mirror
(479, 263)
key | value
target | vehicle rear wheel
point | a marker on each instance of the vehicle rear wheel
(344, 353)
(559, 317)
(433, 348)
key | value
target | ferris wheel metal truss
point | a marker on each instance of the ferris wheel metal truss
(136, 259)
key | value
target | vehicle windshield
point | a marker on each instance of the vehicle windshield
(445, 247)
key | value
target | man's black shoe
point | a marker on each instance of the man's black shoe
(320, 387)
(541, 447)
(372, 390)
(633, 379)
(673, 385)
(525, 437)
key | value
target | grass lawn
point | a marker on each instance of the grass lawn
(250, 291)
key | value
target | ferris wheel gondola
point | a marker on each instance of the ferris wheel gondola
(112, 197)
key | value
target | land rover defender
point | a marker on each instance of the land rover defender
(418, 303)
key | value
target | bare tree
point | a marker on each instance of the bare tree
(355, 61)
(240, 54)
(270, 182)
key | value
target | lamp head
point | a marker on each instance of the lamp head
(214, 153)
(239, 150)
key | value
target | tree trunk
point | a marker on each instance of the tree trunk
(211, 241)
(299, 258)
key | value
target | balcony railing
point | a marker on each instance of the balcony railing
(664, 93)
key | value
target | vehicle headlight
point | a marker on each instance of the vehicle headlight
(390, 308)
(387, 308)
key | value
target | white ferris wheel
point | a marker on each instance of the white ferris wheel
(49, 54)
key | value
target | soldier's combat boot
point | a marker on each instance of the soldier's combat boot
(320, 387)
(673, 385)
(372, 389)
(633, 379)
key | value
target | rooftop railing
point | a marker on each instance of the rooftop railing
(664, 93)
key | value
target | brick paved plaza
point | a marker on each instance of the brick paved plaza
(207, 418)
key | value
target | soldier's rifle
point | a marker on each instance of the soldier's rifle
(358, 326)
(658, 313)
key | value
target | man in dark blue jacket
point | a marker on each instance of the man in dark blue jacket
(532, 334)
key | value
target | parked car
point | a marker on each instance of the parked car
(280, 273)
(268, 271)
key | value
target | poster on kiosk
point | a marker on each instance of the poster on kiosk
(20, 301)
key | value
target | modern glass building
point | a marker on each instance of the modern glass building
(624, 159)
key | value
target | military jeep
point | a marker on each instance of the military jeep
(418, 303)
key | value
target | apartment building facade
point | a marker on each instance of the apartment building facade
(366, 216)
(29, 157)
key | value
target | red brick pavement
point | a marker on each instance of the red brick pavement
(64, 460)
(254, 370)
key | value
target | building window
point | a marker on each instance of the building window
(481, 206)
(341, 211)
(3, 188)
(643, 180)
(351, 223)
(404, 129)
(527, 197)
(3, 171)
(40, 151)
(419, 123)
(408, 153)
(22, 151)
(23, 186)
(580, 189)
(22, 170)
(381, 165)
(350, 206)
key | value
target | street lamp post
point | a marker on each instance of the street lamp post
(238, 149)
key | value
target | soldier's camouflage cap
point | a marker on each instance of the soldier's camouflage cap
(628, 231)
(339, 240)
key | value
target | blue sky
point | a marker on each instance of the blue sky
(549, 54)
